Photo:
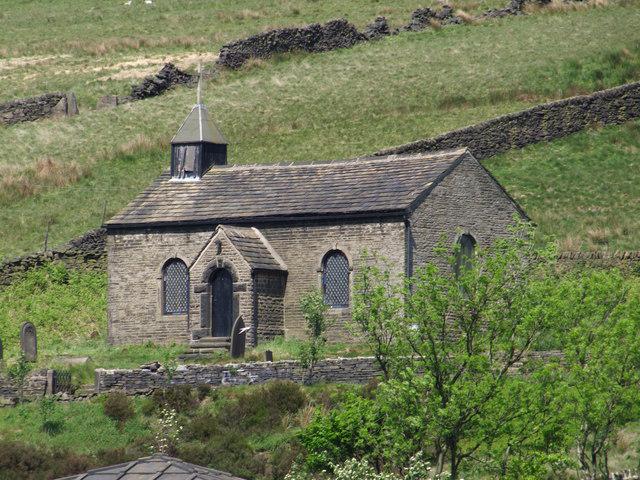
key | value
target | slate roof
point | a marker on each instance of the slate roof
(199, 127)
(235, 194)
(254, 248)
(156, 467)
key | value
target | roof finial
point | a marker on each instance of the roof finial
(199, 94)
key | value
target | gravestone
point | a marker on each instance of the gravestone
(29, 341)
(108, 101)
(268, 356)
(72, 104)
(238, 338)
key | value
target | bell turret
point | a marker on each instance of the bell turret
(198, 145)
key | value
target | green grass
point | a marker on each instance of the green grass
(86, 429)
(396, 90)
(68, 308)
(100, 48)
(582, 190)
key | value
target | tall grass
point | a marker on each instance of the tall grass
(382, 93)
(581, 190)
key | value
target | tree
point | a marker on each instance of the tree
(465, 330)
(314, 311)
(377, 312)
(602, 355)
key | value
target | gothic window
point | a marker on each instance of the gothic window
(465, 253)
(335, 279)
(175, 287)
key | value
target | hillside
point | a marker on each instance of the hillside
(67, 173)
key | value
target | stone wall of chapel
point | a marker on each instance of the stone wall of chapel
(302, 247)
(134, 306)
(467, 201)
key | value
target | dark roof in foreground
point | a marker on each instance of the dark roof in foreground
(156, 467)
(232, 194)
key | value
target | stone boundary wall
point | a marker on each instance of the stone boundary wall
(34, 108)
(311, 38)
(143, 381)
(357, 370)
(627, 261)
(35, 386)
(152, 86)
(87, 251)
(541, 123)
(340, 33)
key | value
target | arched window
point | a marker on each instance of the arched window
(335, 279)
(175, 287)
(465, 253)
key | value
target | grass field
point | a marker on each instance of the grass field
(402, 88)
(583, 190)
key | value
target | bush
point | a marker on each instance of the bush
(263, 407)
(228, 452)
(180, 398)
(118, 407)
(21, 461)
(352, 430)
(204, 391)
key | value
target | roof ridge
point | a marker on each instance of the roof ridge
(346, 161)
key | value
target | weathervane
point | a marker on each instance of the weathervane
(199, 94)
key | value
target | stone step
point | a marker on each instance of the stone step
(208, 350)
(211, 342)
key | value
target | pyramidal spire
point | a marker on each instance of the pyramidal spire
(198, 144)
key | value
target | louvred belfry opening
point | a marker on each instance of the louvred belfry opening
(197, 146)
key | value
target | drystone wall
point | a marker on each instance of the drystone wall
(626, 261)
(87, 251)
(311, 38)
(340, 33)
(168, 77)
(34, 108)
(541, 123)
(35, 386)
(360, 370)
(143, 381)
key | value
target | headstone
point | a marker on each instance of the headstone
(108, 101)
(238, 338)
(72, 104)
(268, 356)
(29, 341)
(67, 360)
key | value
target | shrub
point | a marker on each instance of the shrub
(263, 407)
(351, 430)
(204, 391)
(229, 452)
(180, 398)
(50, 424)
(118, 407)
(21, 461)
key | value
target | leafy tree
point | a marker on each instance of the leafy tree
(464, 330)
(314, 310)
(377, 311)
(602, 354)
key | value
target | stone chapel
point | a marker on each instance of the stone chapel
(210, 242)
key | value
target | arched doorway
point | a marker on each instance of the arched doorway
(221, 303)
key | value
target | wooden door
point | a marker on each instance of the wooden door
(222, 303)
